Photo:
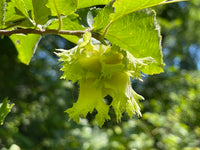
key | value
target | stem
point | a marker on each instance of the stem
(173, 1)
(106, 29)
(41, 32)
(36, 26)
(59, 16)
(60, 22)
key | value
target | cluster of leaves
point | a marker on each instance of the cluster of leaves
(123, 23)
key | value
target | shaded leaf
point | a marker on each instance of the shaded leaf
(5, 108)
(87, 15)
(25, 45)
(140, 35)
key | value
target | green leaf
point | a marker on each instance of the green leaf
(20, 5)
(172, 1)
(17, 14)
(11, 14)
(28, 5)
(40, 11)
(2, 12)
(89, 3)
(123, 7)
(102, 19)
(62, 7)
(25, 45)
(69, 23)
(5, 108)
(140, 35)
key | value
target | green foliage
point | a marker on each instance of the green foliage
(130, 6)
(2, 12)
(170, 112)
(25, 45)
(11, 16)
(69, 23)
(89, 3)
(34, 14)
(5, 108)
(62, 7)
(21, 6)
(103, 18)
(128, 43)
(132, 32)
(18, 15)
(38, 9)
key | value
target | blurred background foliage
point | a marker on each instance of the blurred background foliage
(171, 116)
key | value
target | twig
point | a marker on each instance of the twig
(41, 32)
(59, 16)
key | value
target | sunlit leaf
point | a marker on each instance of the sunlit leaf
(40, 11)
(2, 12)
(11, 14)
(69, 23)
(102, 19)
(5, 108)
(123, 7)
(88, 3)
(25, 45)
(20, 5)
(140, 35)
(18, 13)
(62, 7)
